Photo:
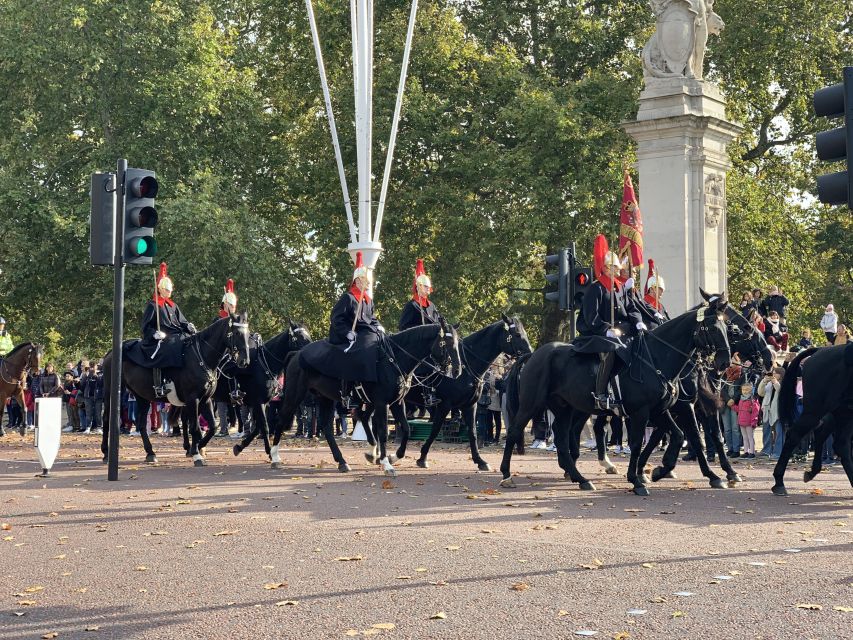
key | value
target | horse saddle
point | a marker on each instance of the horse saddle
(354, 364)
(165, 354)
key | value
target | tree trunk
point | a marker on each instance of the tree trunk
(555, 324)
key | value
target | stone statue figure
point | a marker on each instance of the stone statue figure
(677, 48)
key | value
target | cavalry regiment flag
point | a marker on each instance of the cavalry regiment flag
(630, 224)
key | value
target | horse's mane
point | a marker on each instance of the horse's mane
(18, 348)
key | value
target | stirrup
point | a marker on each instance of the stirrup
(606, 402)
(160, 391)
(429, 398)
(237, 397)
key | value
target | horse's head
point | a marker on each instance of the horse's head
(445, 350)
(34, 356)
(711, 333)
(299, 335)
(237, 339)
(747, 341)
(516, 343)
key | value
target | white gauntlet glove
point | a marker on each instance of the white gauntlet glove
(613, 333)
(159, 335)
(351, 336)
(641, 326)
(191, 328)
(381, 328)
(660, 316)
(629, 284)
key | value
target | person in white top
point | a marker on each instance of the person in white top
(829, 323)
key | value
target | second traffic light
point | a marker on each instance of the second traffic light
(561, 279)
(140, 216)
(833, 102)
(581, 279)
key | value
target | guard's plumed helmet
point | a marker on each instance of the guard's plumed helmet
(360, 270)
(611, 259)
(654, 280)
(164, 282)
(230, 297)
(421, 278)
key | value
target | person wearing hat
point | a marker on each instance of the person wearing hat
(6, 344)
(829, 323)
(419, 310)
(228, 307)
(163, 329)
(655, 287)
(608, 314)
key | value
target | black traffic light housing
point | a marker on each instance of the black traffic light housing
(140, 216)
(581, 280)
(102, 219)
(833, 102)
(561, 278)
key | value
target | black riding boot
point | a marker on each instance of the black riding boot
(159, 387)
(604, 400)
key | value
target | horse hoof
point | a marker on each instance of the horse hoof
(641, 491)
(187, 454)
(658, 474)
(587, 486)
(734, 479)
(236, 449)
(391, 472)
(199, 463)
(275, 465)
(150, 458)
(644, 479)
(671, 476)
(779, 490)
(507, 483)
(343, 467)
(808, 476)
(611, 470)
(372, 459)
(423, 464)
(717, 483)
(484, 466)
(393, 458)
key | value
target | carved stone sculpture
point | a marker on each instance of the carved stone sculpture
(677, 48)
(715, 200)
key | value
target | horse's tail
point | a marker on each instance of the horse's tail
(511, 393)
(787, 395)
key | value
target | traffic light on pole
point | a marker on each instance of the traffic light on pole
(560, 279)
(102, 219)
(140, 216)
(581, 282)
(834, 102)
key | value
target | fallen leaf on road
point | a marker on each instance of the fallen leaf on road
(439, 583)
(562, 612)
(810, 607)
(585, 632)
(49, 636)
(385, 626)
(520, 586)
(349, 558)
(658, 600)
(34, 589)
(488, 531)
(269, 586)
(81, 590)
(421, 569)
(438, 616)
(141, 568)
(843, 609)
(633, 510)
(817, 492)
(453, 547)
(648, 565)
(491, 492)
(61, 556)
(622, 635)
(26, 603)
(94, 627)
(677, 614)
(351, 633)
(387, 484)
(6, 526)
(287, 603)
(404, 577)
(595, 564)
(157, 533)
(227, 533)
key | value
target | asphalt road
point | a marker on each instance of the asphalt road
(237, 550)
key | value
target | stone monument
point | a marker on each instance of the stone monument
(682, 135)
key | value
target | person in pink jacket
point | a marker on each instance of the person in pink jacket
(748, 415)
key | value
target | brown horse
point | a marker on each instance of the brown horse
(13, 374)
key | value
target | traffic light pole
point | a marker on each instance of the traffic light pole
(118, 323)
(571, 294)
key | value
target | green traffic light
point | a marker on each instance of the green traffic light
(140, 246)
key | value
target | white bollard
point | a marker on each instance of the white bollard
(48, 419)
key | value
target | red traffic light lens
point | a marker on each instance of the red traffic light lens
(146, 187)
(582, 279)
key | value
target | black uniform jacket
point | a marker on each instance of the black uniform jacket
(415, 315)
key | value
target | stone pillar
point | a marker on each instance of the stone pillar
(682, 134)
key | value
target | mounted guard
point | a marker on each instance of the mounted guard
(352, 350)
(655, 287)
(420, 309)
(608, 316)
(164, 329)
(228, 307)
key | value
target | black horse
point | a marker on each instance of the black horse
(478, 351)
(827, 408)
(400, 354)
(559, 379)
(204, 351)
(699, 400)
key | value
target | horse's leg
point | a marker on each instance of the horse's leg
(636, 431)
(797, 432)
(514, 438)
(364, 414)
(567, 421)
(143, 406)
(193, 410)
(670, 456)
(326, 422)
(714, 428)
(691, 432)
(468, 420)
(380, 424)
(261, 426)
(600, 444)
(185, 431)
(654, 440)
(399, 413)
(843, 443)
(439, 415)
(207, 412)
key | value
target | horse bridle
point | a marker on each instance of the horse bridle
(19, 378)
(748, 334)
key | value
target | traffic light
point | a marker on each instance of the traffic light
(581, 282)
(140, 216)
(102, 219)
(561, 279)
(833, 102)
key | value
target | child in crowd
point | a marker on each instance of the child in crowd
(775, 333)
(841, 337)
(748, 415)
(806, 339)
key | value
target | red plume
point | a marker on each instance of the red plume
(229, 286)
(163, 272)
(419, 270)
(651, 272)
(599, 250)
(359, 260)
